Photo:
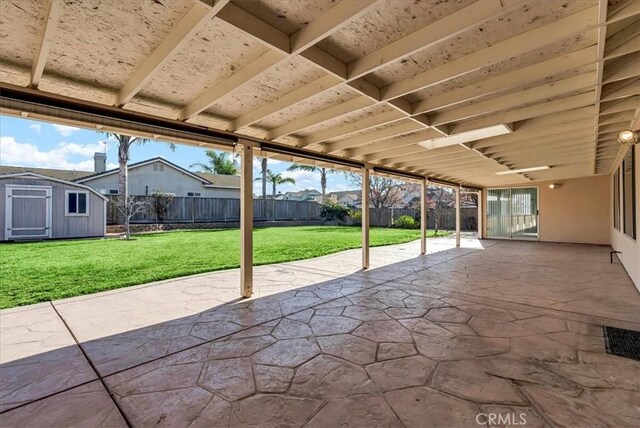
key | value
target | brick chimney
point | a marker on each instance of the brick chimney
(99, 162)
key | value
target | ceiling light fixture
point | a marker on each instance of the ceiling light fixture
(627, 136)
(553, 186)
(518, 171)
(468, 136)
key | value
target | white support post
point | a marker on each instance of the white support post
(457, 216)
(423, 217)
(246, 219)
(480, 215)
(365, 218)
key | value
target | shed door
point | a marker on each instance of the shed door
(28, 212)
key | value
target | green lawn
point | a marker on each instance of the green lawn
(42, 271)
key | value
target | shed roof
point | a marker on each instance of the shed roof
(380, 81)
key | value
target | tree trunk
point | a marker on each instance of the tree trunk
(263, 162)
(323, 183)
(123, 180)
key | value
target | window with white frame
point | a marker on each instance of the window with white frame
(76, 203)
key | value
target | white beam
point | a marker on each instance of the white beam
(423, 216)
(402, 127)
(317, 118)
(501, 82)
(328, 23)
(457, 216)
(289, 99)
(50, 24)
(191, 22)
(246, 219)
(244, 75)
(526, 42)
(351, 128)
(516, 99)
(447, 28)
(365, 217)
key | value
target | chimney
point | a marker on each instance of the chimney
(99, 162)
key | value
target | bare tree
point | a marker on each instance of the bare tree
(128, 208)
(438, 198)
(383, 192)
(124, 148)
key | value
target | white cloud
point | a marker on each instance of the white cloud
(65, 130)
(25, 154)
(36, 127)
(304, 179)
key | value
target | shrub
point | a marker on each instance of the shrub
(332, 211)
(406, 222)
(356, 216)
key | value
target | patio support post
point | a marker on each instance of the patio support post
(246, 218)
(423, 216)
(457, 216)
(480, 215)
(365, 217)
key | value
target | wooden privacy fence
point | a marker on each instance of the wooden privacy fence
(201, 210)
(196, 210)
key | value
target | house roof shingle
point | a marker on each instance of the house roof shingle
(60, 174)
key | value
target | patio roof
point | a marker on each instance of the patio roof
(364, 81)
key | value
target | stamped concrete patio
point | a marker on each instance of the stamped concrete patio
(493, 327)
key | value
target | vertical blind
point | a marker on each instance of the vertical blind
(512, 213)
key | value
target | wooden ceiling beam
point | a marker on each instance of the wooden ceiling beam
(40, 60)
(199, 14)
(515, 115)
(402, 127)
(446, 28)
(317, 118)
(281, 46)
(371, 150)
(505, 81)
(630, 103)
(630, 46)
(626, 67)
(516, 99)
(627, 10)
(351, 128)
(630, 32)
(525, 42)
(516, 148)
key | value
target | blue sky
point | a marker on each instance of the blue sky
(26, 142)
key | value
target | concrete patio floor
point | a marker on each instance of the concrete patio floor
(493, 327)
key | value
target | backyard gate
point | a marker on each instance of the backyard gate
(28, 212)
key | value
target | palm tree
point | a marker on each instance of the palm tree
(277, 180)
(219, 163)
(310, 168)
(263, 176)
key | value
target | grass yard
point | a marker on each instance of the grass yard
(41, 271)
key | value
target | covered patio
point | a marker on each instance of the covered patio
(443, 338)
(521, 102)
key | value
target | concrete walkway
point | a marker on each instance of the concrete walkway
(493, 327)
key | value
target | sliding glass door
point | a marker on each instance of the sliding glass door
(512, 213)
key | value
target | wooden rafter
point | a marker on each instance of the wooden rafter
(50, 24)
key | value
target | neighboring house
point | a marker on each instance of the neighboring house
(348, 198)
(301, 195)
(35, 206)
(158, 175)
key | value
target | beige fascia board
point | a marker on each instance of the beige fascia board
(501, 82)
(540, 37)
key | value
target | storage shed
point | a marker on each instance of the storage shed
(33, 206)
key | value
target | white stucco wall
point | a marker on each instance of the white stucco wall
(144, 180)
